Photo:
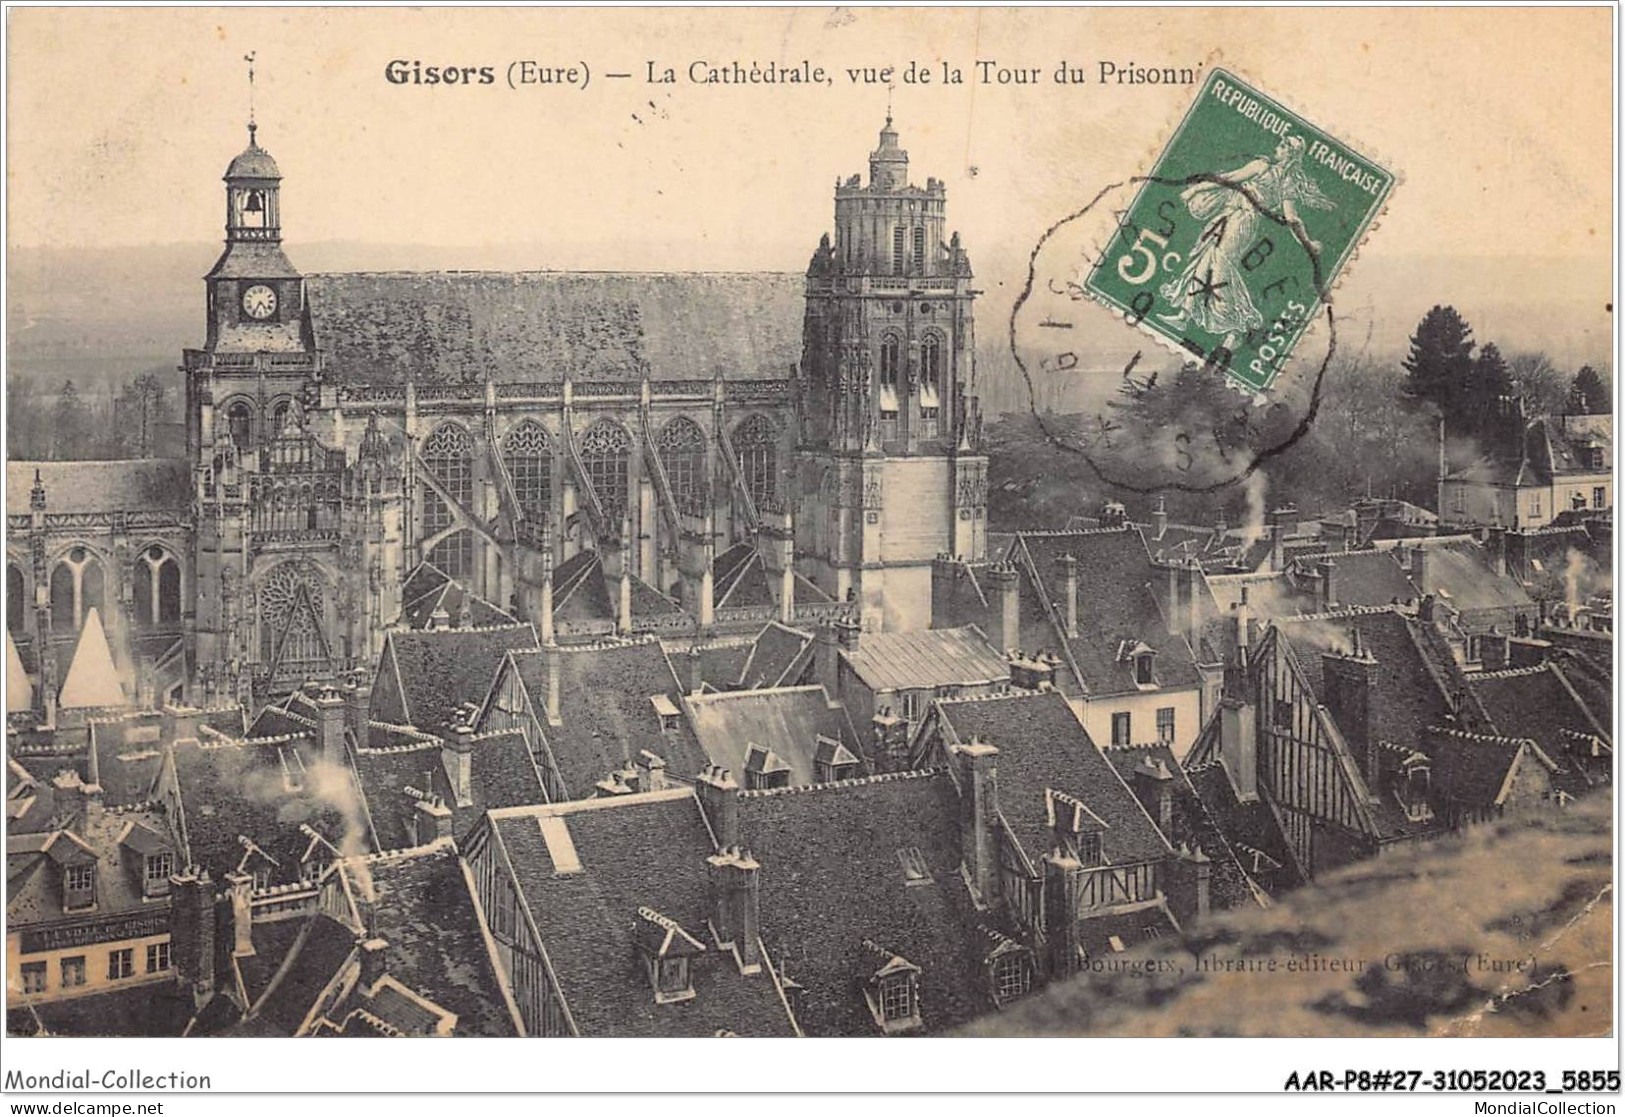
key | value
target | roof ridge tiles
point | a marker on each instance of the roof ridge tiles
(857, 781)
(477, 628)
(397, 750)
(1054, 531)
(1485, 738)
(1347, 611)
(1509, 672)
(507, 731)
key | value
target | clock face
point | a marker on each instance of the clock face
(259, 301)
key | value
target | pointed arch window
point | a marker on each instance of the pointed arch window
(891, 364)
(16, 607)
(682, 452)
(240, 423)
(606, 451)
(156, 583)
(756, 443)
(448, 455)
(76, 588)
(527, 453)
(291, 635)
(930, 380)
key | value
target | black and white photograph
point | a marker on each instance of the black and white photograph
(1027, 528)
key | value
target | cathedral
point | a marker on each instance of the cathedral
(596, 453)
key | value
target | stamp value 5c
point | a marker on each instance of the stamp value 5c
(1239, 232)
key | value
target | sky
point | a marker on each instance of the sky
(1498, 122)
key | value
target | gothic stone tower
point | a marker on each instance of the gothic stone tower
(890, 473)
(288, 540)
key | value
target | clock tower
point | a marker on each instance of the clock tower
(255, 294)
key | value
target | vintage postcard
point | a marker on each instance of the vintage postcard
(845, 523)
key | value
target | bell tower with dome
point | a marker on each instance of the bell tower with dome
(891, 476)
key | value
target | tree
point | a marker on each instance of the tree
(1439, 366)
(1489, 389)
(1588, 395)
(1537, 382)
(68, 420)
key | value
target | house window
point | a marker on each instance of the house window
(121, 964)
(157, 957)
(1458, 499)
(671, 977)
(1599, 497)
(897, 998)
(73, 972)
(159, 868)
(1165, 724)
(1283, 715)
(1144, 674)
(1122, 729)
(1534, 504)
(262, 877)
(79, 884)
(33, 977)
(1012, 977)
(505, 922)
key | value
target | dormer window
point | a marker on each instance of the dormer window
(893, 993)
(667, 950)
(1012, 977)
(79, 886)
(764, 769)
(833, 761)
(156, 873)
(1145, 668)
(668, 713)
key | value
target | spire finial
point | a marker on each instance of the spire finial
(890, 87)
(249, 58)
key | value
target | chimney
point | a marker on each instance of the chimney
(1159, 518)
(1156, 784)
(1493, 649)
(1191, 884)
(695, 675)
(1242, 614)
(1419, 569)
(1496, 542)
(890, 740)
(1328, 585)
(1063, 889)
(551, 651)
(240, 887)
(719, 800)
(1193, 600)
(457, 757)
(330, 708)
(736, 905)
(1068, 566)
(1035, 672)
(849, 632)
(433, 820)
(977, 766)
(651, 771)
(440, 619)
(1238, 734)
(1427, 607)
(1350, 696)
(374, 955)
(544, 604)
(1004, 600)
(358, 708)
(177, 723)
(191, 930)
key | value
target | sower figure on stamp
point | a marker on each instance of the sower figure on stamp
(1212, 290)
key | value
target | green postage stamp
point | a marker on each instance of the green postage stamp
(1239, 231)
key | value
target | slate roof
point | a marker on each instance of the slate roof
(779, 657)
(322, 949)
(1360, 577)
(1472, 768)
(1193, 825)
(1042, 746)
(1461, 576)
(157, 1010)
(538, 327)
(721, 661)
(431, 590)
(581, 592)
(604, 709)
(832, 880)
(1116, 602)
(739, 578)
(1545, 705)
(442, 670)
(637, 851)
(787, 720)
(258, 791)
(421, 905)
(34, 859)
(1412, 684)
(888, 661)
(1251, 828)
(501, 774)
(148, 484)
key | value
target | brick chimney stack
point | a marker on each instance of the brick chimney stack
(719, 800)
(1063, 889)
(1068, 566)
(374, 960)
(240, 886)
(736, 905)
(977, 767)
(330, 707)
(1349, 682)
(358, 708)
(192, 929)
(1328, 585)
(1004, 601)
(457, 757)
